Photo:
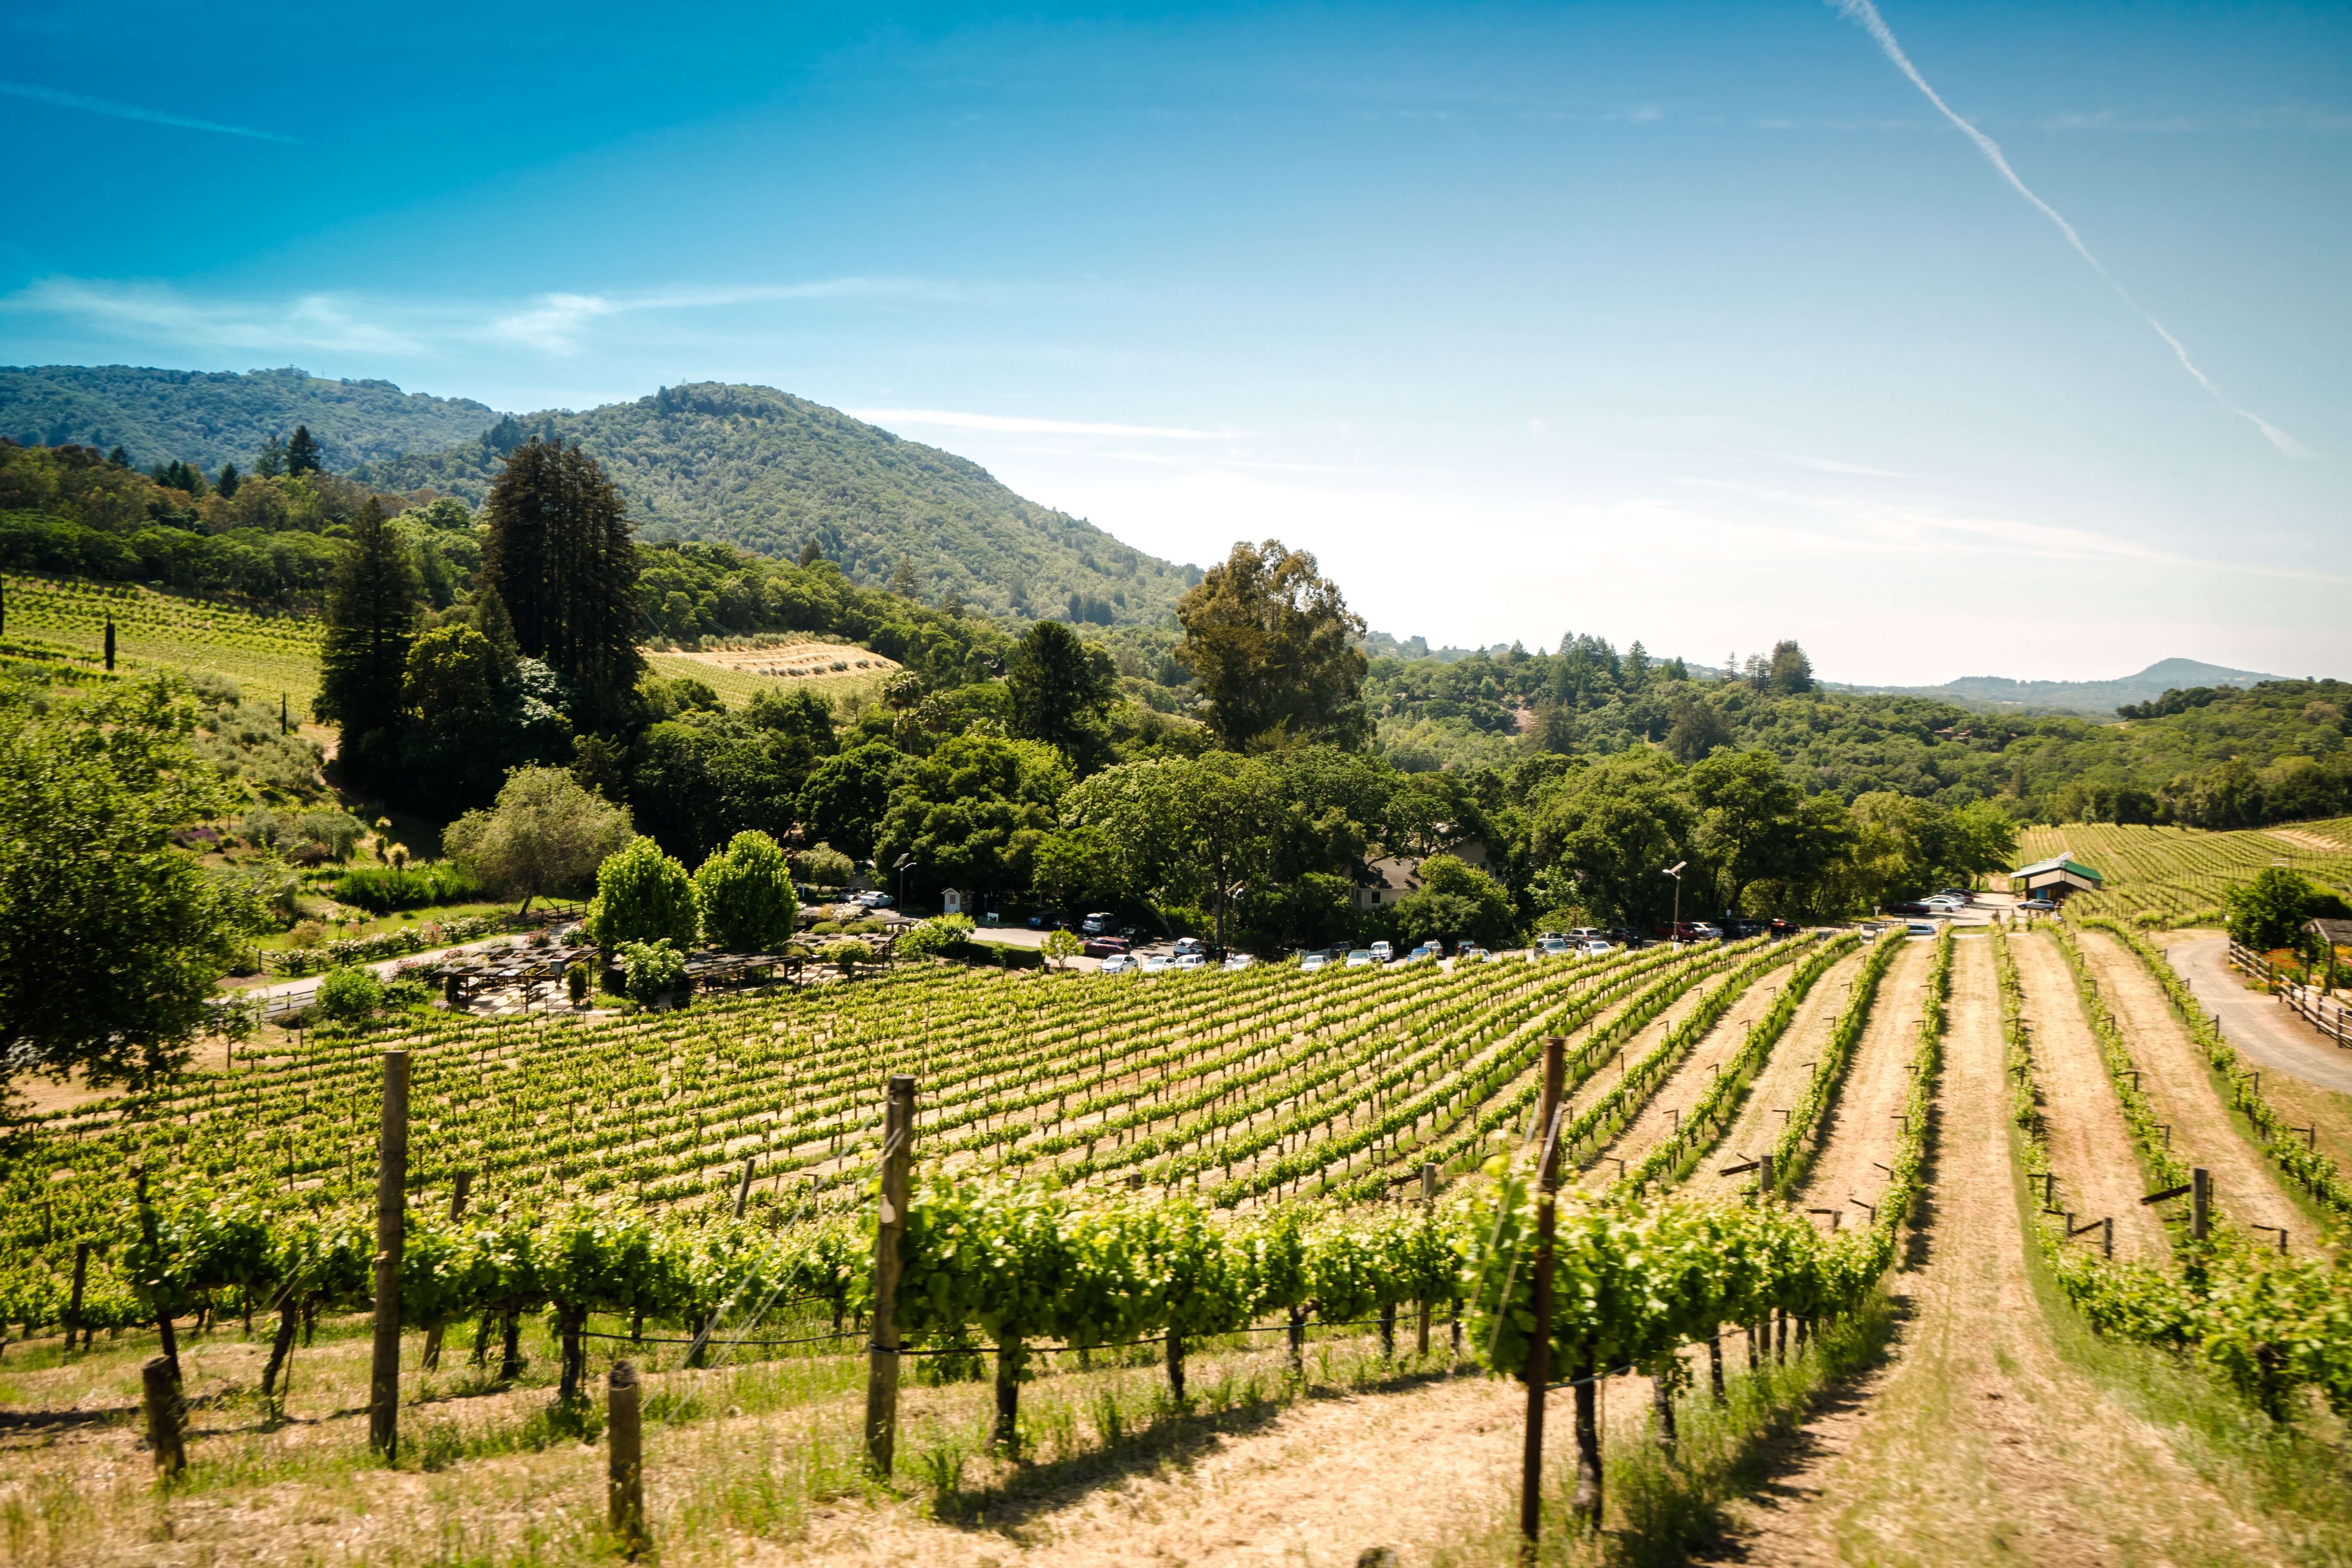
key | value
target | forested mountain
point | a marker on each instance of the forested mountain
(769, 472)
(214, 417)
(2093, 699)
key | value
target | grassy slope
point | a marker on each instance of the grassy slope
(265, 655)
(2174, 875)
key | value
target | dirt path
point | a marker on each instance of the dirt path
(1683, 1086)
(2089, 1148)
(1974, 1444)
(2263, 1031)
(1859, 1132)
(1785, 1072)
(1322, 1483)
(2181, 1086)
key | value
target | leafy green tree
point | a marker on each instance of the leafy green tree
(561, 560)
(801, 712)
(1789, 673)
(2268, 913)
(301, 453)
(1273, 644)
(1697, 727)
(1061, 946)
(1615, 826)
(1060, 690)
(823, 865)
(1077, 867)
(364, 658)
(745, 895)
(847, 794)
(1751, 828)
(1188, 831)
(696, 781)
(350, 994)
(546, 834)
(1456, 901)
(642, 895)
(111, 938)
(971, 811)
(937, 937)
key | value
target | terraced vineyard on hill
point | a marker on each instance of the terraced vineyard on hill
(2159, 877)
(265, 655)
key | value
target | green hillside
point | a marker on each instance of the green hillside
(216, 417)
(767, 471)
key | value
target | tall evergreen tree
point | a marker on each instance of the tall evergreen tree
(370, 622)
(228, 481)
(271, 464)
(560, 558)
(301, 453)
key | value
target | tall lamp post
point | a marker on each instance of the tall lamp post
(1675, 871)
(901, 866)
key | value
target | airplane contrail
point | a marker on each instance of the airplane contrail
(1866, 13)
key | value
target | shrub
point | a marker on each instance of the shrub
(307, 933)
(348, 996)
(937, 937)
(651, 969)
(407, 993)
(824, 866)
(849, 955)
(575, 983)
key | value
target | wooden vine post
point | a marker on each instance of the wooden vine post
(1538, 1369)
(159, 1392)
(2201, 1203)
(459, 1188)
(624, 1473)
(391, 1239)
(73, 1303)
(882, 1345)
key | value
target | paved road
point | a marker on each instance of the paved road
(298, 993)
(2259, 1026)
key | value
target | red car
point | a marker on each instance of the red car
(1104, 946)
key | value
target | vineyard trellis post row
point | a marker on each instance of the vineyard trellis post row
(2201, 1203)
(1538, 1371)
(882, 1344)
(624, 1473)
(391, 1237)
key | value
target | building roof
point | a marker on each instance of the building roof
(2335, 933)
(2052, 867)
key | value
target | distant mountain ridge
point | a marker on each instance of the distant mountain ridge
(2099, 699)
(225, 416)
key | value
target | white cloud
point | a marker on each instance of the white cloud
(555, 323)
(1831, 466)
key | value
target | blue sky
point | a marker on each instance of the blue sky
(1700, 324)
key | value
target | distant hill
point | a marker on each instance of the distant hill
(214, 417)
(2094, 698)
(764, 470)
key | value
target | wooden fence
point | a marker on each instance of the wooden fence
(2330, 1017)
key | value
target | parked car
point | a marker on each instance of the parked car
(1418, 954)
(1687, 932)
(1908, 907)
(1151, 963)
(1471, 952)
(1119, 963)
(1544, 936)
(1308, 962)
(1381, 952)
(1706, 932)
(1098, 924)
(1585, 933)
(1550, 947)
(1185, 945)
(1189, 961)
(2043, 905)
(1593, 947)
(1919, 928)
(1783, 928)
(1104, 947)
(1624, 936)
(1238, 962)
(1959, 895)
(1361, 958)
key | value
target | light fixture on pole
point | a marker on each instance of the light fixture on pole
(900, 866)
(1675, 871)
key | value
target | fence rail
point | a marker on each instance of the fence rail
(2330, 1017)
